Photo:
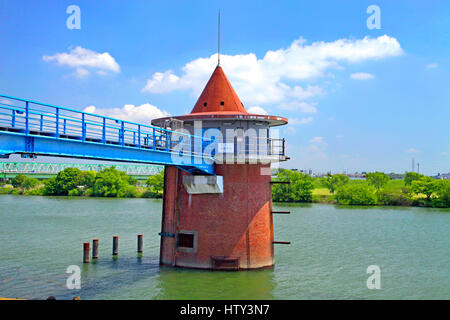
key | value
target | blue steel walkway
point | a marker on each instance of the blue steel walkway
(33, 128)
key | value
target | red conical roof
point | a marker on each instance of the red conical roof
(219, 96)
(219, 101)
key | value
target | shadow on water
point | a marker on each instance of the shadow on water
(152, 281)
(110, 275)
(177, 283)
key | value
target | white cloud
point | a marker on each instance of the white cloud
(339, 136)
(296, 121)
(412, 150)
(264, 81)
(290, 129)
(317, 148)
(256, 110)
(83, 59)
(432, 66)
(81, 72)
(361, 76)
(299, 106)
(143, 113)
(303, 94)
(316, 140)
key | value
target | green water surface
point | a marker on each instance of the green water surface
(331, 249)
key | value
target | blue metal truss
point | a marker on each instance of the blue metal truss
(33, 128)
(55, 167)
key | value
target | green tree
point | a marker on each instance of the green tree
(88, 178)
(30, 183)
(298, 190)
(443, 192)
(66, 180)
(128, 192)
(155, 186)
(411, 176)
(18, 181)
(50, 186)
(356, 194)
(111, 182)
(424, 185)
(377, 179)
(333, 182)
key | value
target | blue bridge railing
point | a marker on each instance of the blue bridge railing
(31, 118)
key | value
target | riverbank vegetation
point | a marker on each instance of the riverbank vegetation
(377, 189)
(109, 182)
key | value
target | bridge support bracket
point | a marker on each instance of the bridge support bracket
(281, 212)
(167, 234)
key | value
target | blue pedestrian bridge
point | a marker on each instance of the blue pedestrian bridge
(33, 128)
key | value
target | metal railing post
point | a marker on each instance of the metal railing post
(41, 124)
(26, 118)
(57, 122)
(154, 139)
(139, 135)
(167, 141)
(104, 130)
(122, 134)
(13, 118)
(64, 126)
(83, 128)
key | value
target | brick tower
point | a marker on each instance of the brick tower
(222, 222)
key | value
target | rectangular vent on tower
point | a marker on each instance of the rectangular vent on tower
(187, 241)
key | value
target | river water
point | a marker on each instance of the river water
(332, 247)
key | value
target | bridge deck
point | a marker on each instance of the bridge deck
(33, 128)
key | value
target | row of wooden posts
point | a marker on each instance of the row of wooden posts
(115, 250)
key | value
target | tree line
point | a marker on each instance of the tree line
(108, 182)
(378, 189)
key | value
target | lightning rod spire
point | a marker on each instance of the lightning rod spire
(218, 42)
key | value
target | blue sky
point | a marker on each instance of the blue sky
(358, 99)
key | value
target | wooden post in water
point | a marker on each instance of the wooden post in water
(94, 249)
(86, 252)
(115, 246)
(139, 243)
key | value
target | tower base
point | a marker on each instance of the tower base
(232, 230)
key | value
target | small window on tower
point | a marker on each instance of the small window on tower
(205, 104)
(222, 103)
(185, 240)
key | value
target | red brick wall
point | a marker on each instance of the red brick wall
(237, 223)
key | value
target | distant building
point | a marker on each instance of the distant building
(396, 176)
(443, 176)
